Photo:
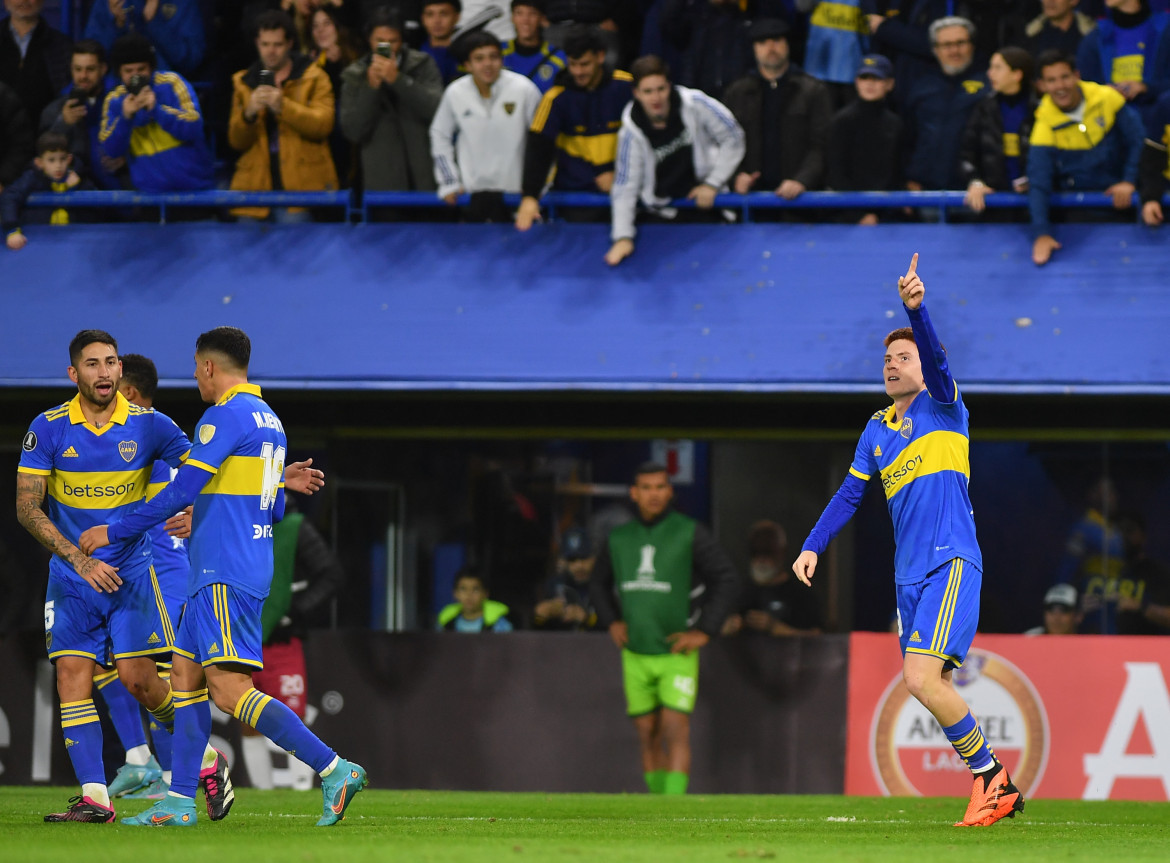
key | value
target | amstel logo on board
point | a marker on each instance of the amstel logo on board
(912, 756)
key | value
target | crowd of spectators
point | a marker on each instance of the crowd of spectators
(1028, 96)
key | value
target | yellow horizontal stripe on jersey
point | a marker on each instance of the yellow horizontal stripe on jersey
(239, 474)
(594, 149)
(33, 470)
(98, 489)
(932, 453)
(154, 488)
(864, 477)
(152, 139)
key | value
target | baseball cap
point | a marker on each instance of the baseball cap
(576, 545)
(768, 28)
(875, 66)
(1061, 594)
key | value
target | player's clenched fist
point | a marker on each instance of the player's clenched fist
(910, 286)
(805, 566)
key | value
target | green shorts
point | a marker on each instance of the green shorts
(663, 680)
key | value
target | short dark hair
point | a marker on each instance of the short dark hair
(456, 4)
(132, 48)
(538, 5)
(85, 338)
(139, 372)
(382, 16)
(51, 142)
(582, 39)
(473, 41)
(649, 467)
(472, 572)
(89, 46)
(645, 67)
(275, 19)
(1052, 57)
(232, 342)
(1018, 60)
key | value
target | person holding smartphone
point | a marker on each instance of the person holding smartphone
(388, 99)
(282, 114)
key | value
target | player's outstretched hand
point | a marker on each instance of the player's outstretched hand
(685, 642)
(619, 631)
(179, 524)
(806, 564)
(910, 287)
(301, 477)
(94, 538)
(99, 575)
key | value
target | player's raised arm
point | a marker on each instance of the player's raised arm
(935, 371)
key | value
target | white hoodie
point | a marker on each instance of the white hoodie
(718, 147)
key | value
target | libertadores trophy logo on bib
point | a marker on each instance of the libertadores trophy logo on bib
(911, 755)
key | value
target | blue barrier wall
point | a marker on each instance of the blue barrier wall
(770, 307)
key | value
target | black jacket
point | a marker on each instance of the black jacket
(981, 151)
(14, 196)
(16, 136)
(866, 149)
(43, 72)
(713, 41)
(804, 132)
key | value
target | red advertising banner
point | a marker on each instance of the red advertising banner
(1079, 717)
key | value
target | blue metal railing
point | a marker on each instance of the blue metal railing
(356, 206)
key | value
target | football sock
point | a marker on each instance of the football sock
(97, 792)
(163, 741)
(675, 782)
(139, 756)
(258, 761)
(83, 741)
(968, 741)
(164, 714)
(284, 728)
(655, 780)
(332, 766)
(125, 713)
(192, 730)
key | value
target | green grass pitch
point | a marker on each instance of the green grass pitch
(484, 828)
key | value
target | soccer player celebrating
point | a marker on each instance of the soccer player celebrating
(919, 446)
(234, 478)
(81, 464)
(655, 565)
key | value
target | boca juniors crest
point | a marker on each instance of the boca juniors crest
(128, 449)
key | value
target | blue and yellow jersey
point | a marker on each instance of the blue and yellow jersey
(95, 475)
(1158, 132)
(584, 125)
(924, 468)
(540, 66)
(241, 443)
(1055, 128)
(171, 564)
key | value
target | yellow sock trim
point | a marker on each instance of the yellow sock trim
(250, 706)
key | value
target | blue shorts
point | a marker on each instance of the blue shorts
(222, 624)
(938, 616)
(131, 621)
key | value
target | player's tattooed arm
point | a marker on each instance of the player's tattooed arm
(30, 497)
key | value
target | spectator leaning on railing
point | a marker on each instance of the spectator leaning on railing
(1155, 166)
(674, 142)
(1085, 138)
(282, 114)
(479, 131)
(51, 171)
(153, 120)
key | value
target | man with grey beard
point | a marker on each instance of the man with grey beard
(938, 103)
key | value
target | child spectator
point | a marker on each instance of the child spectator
(472, 611)
(51, 172)
(866, 137)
